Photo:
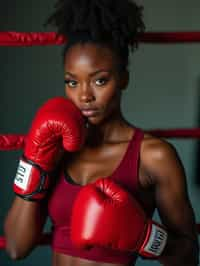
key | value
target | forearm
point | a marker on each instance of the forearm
(180, 250)
(23, 226)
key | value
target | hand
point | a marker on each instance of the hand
(106, 215)
(57, 126)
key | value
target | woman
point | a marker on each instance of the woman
(96, 73)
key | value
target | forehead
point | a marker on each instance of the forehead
(89, 54)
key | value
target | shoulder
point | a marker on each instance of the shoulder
(160, 159)
(156, 149)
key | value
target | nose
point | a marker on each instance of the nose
(86, 94)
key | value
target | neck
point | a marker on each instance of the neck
(106, 132)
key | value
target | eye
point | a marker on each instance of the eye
(70, 83)
(101, 81)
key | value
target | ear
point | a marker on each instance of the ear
(124, 80)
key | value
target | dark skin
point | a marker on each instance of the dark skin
(93, 81)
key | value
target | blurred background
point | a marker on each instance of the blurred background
(164, 90)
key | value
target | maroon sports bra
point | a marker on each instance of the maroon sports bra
(64, 194)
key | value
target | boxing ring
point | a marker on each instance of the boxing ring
(9, 142)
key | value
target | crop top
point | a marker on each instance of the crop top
(61, 202)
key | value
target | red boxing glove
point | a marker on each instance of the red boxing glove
(58, 125)
(106, 215)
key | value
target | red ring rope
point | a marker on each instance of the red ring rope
(176, 133)
(11, 142)
(16, 141)
(12, 38)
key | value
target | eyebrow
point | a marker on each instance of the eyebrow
(92, 74)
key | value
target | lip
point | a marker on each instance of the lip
(89, 112)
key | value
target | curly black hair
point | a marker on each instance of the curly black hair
(116, 23)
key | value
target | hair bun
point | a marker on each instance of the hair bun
(118, 20)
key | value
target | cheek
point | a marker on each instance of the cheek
(71, 96)
(69, 93)
(109, 96)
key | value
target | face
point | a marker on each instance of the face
(92, 81)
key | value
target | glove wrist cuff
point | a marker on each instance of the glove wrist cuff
(155, 241)
(31, 182)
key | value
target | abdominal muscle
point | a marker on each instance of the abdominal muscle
(66, 260)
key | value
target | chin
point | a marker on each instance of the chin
(94, 121)
(98, 120)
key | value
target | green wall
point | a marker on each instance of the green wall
(164, 88)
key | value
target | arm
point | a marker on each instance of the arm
(23, 226)
(58, 125)
(166, 172)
